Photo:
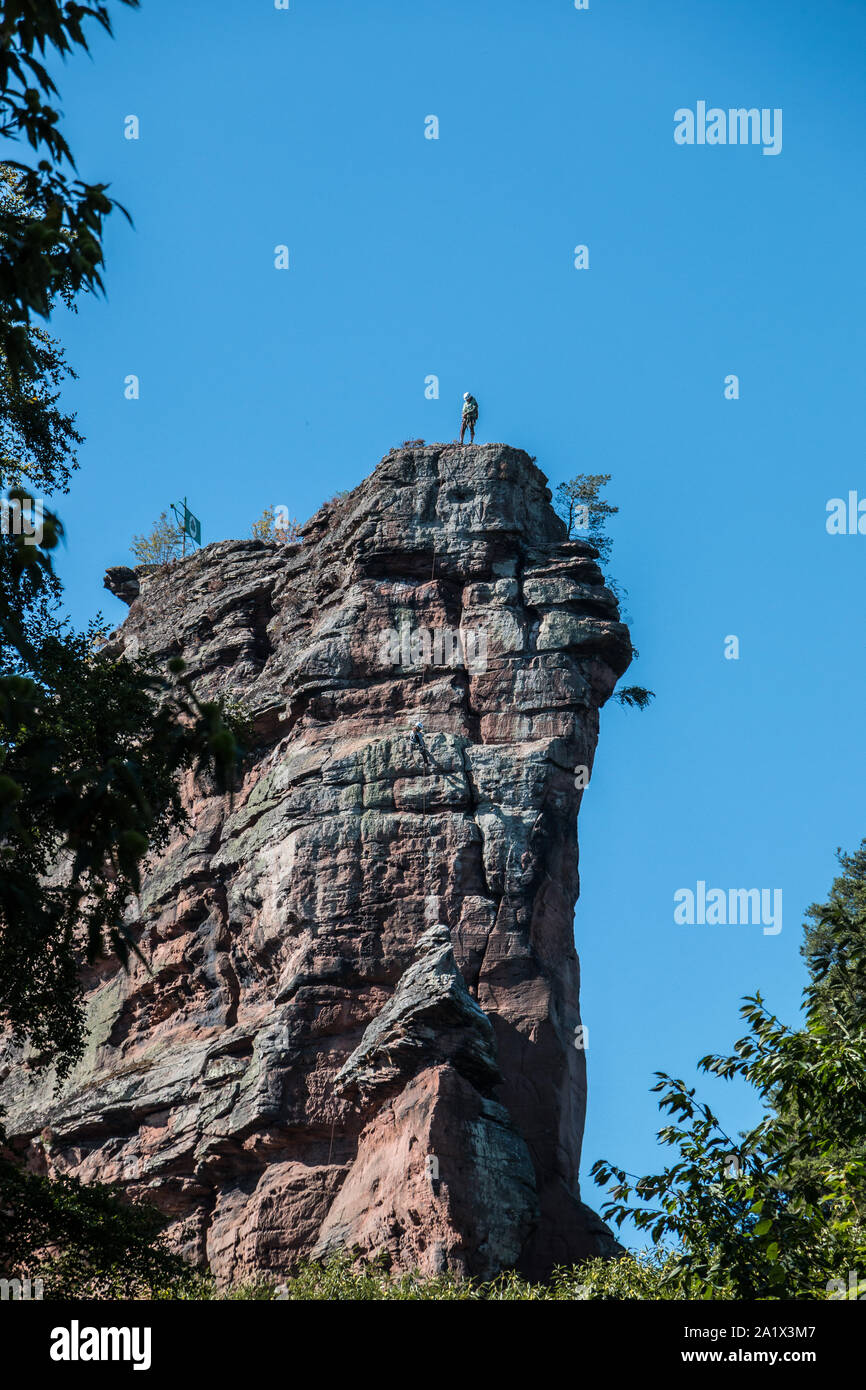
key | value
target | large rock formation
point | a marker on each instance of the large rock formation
(358, 1024)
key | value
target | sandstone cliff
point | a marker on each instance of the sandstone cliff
(358, 1026)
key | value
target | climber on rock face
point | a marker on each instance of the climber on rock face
(470, 417)
(418, 737)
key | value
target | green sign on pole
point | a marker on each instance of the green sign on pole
(189, 524)
(192, 526)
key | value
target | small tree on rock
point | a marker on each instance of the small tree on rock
(275, 524)
(163, 543)
(580, 505)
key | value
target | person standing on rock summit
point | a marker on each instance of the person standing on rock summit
(470, 417)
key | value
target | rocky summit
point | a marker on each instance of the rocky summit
(357, 1024)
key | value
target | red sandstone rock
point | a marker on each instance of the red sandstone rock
(281, 1080)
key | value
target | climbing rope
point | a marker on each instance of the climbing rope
(331, 1147)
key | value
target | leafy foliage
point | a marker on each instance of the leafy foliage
(835, 941)
(81, 1240)
(90, 749)
(795, 1217)
(37, 439)
(50, 242)
(635, 696)
(341, 1279)
(580, 505)
(269, 527)
(345, 1279)
(581, 496)
(163, 543)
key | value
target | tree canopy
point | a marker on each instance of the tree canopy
(91, 746)
(779, 1211)
(51, 232)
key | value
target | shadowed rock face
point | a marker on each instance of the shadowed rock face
(359, 1025)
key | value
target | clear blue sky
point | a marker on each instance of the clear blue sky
(412, 256)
